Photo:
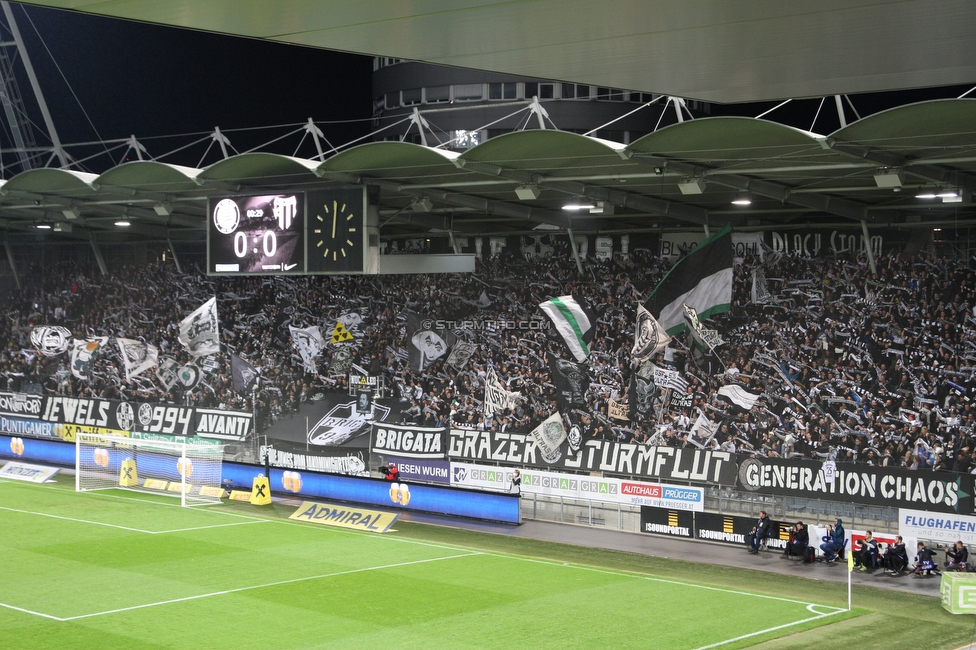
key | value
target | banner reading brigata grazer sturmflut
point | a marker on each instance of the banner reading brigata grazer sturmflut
(664, 463)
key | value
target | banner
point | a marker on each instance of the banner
(942, 528)
(425, 344)
(663, 521)
(497, 399)
(605, 489)
(422, 470)
(628, 459)
(24, 405)
(881, 486)
(24, 427)
(167, 372)
(617, 410)
(223, 425)
(665, 378)
(409, 441)
(702, 431)
(644, 393)
(317, 459)
(245, 375)
(199, 332)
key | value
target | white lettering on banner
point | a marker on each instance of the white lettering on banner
(413, 443)
(73, 410)
(610, 490)
(680, 531)
(809, 244)
(172, 420)
(667, 463)
(27, 427)
(423, 470)
(721, 536)
(329, 464)
(226, 425)
(21, 404)
(754, 475)
(937, 527)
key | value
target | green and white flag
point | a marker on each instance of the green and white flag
(702, 280)
(573, 323)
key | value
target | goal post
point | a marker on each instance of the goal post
(189, 469)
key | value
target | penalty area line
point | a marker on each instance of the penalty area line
(261, 586)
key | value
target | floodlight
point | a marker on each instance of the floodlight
(692, 186)
(528, 192)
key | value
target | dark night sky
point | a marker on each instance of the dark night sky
(134, 78)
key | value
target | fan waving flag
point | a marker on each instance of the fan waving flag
(245, 375)
(702, 280)
(739, 396)
(650, 338)
(573, 323)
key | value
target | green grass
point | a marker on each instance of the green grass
(120, 570)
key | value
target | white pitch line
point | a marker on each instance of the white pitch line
(270, 584)
(80, 521)
(773, 629)
(134, 530)
(29, 611)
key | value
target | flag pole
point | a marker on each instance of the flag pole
(850, 570)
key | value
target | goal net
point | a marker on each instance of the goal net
(187, 469)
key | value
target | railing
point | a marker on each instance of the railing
(627, 518)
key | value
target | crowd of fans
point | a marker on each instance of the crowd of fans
(854, 366)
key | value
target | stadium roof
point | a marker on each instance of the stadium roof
(715, 50)
(910, 165)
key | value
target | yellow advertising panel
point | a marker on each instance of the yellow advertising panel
(67, 431)
(345, 516)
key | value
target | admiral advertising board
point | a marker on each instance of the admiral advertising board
(639, 461)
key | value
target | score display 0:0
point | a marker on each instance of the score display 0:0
(269, 244)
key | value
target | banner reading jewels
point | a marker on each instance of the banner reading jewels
(664, 463)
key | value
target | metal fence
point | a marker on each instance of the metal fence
(723, 501)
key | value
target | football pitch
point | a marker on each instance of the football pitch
(122, 570)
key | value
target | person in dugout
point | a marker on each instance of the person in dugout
(759, 532)
(799, 541)
(866, 557)
(957, 557)
(391, 472)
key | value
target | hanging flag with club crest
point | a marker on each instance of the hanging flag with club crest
(548, 436)
(425, 344)
(137, 356)
(571, 380)
(650, 338)
(189, 375)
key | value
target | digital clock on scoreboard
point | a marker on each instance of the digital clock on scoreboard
(263, 234)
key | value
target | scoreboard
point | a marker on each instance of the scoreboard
(322, 232)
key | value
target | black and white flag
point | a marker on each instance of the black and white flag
(571, 380)
(189, 375)
(461, 354)
(245, 375)
(309, 343)
(672, 379)
(200, 332)
(548, 436)
(739, 396)
(137, 357)
(168, 372)
(650, 337)
(51, 340)
(760, 293)
(643, 393)
(702, 431)
(496, 397)
(425, 344)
